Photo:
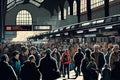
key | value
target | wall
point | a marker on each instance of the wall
(42, 16)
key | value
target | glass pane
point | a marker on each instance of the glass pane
(24, 18)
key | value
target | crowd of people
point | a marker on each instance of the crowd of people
(49, 62)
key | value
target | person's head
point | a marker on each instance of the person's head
(24, 50)
(5, 58)
(116, 48)
(55, 50)
(48, 52)
(88, 53)
(96, 47)
(66, 51)
(33, 50)
(79, 49)
(16, 55)
(32, 58)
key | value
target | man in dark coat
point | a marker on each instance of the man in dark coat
(33, 51)
(29, 71)
(99, 57)
(77, 60)
(48, 66)
(24, 54)
(6, 71)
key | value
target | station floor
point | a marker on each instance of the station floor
(72, 77)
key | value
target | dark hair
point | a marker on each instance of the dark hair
(33, 48)
(31, 57)
(4, 57)
(15, 53)
(23, 48)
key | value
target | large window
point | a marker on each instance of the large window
(96, 3)
(68, 10)
(74, 8)
(83, 6)
(65, 13)
(59, 15)
(24, 18)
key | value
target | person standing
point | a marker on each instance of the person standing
(66, 59)
(77, 58)
(29, 70)
(57, 56)
(24, 54)
(48, 67)
(6, 70)
(85, 62)
(33, 51)
(114, 56)
(99, 57)
(15, 63)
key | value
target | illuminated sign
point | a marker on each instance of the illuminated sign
(18, 28)
(28, 28)
(42, 27)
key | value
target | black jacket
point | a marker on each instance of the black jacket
(29, 71)
(78, 58)
(7, 72)
(48, 67)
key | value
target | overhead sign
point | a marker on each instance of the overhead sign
(28, 28)
(18, 28)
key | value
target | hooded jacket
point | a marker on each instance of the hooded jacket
(68, 57)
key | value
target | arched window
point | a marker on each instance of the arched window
(23, 18)
(65, 13)
(68, 10)
(74, 8)
(96, 3)
(59, 15)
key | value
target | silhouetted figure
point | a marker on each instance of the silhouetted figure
(78, 56)
(29, 70)
(92, 70)
(85, 63)
(106, 73)
(48, 67)
(6, 70)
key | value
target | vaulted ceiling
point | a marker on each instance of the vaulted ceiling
(50, 5)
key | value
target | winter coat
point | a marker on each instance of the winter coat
(68, 57)
(78, 58)
(16, 66)
(115, 73)
(48, 66)
(57, 57)
(92, 71)
(101, 60)
(113, 59)
(29, 71)
(22, 58)
(106, 74)
(7, 72)
(37, 57)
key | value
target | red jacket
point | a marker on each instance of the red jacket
(68, 57)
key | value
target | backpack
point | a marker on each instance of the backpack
(65, 58)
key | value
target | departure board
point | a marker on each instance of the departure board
(18, 28)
